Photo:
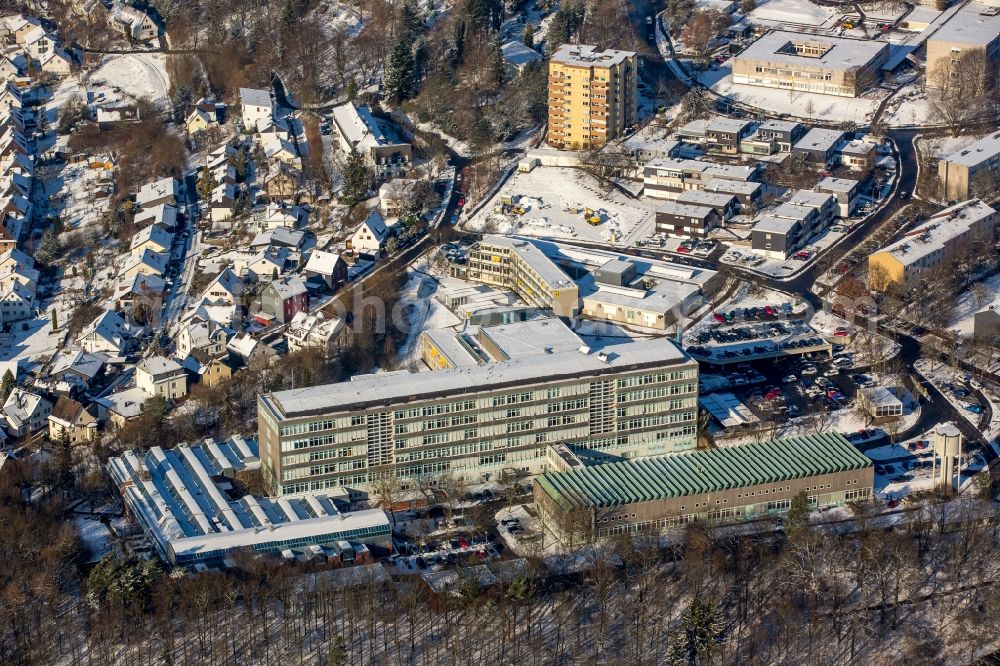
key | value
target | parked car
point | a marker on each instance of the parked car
(975, 409)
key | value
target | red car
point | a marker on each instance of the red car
(461, 202)
(893, 504)
(842, 268)
(463, 542)
(841, 332)
(719, 318)
(481, 554)
(683, 249)
(769, 311)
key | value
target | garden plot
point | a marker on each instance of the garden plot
(562, 203)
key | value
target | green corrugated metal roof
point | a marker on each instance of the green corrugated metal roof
(710, 470)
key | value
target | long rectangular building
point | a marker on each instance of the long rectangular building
(811, 63)
(723, 484)
(184, 499)
(502, 397)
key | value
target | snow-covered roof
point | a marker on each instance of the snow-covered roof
(820, 138)
(360, 128)
(163, 214)
(126, 404)
(255, 97)
(159, 367)
(938, 230)
(384, 388)
(975, 154)
(975, 24)
(289, 286)
(279, 236)
(518, 54)
(110, 326)
(376, 225)
(174, 494)
(243, 344)
(78, 362)
(322, 263)
(841, 53)
(156, 190)
(156, 261)
(155, 234)
(582, 55)
(837, 184)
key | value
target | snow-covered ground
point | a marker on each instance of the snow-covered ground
(422, 312)
(971, 301)
(909, 106)
(131, 75)
(555, 201)
(95, 535)
(942, 146)
(774, 100)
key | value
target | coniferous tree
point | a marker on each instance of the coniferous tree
(528, 36)
(399, 71)
(355, 174)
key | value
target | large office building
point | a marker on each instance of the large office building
(566, 280)
(592, 96)
(582, 502)
(958, 171)
(186, 500)
(943, 237)
(811, 63)
(504, 394)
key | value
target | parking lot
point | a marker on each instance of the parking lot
(753, 333)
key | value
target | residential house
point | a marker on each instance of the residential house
(78, 368)
(208, 337)
(153, 238)
(282, 181)
(379, 141)
(146, 262)
(255, 105)
(245, 349)
(959, 171)
(845, 191)
(399, 195)
(134, 24)
(858, 155)
(666, 178)
(725, 204)
(222, 200)
(686, 221)
(161, 191)
(279, 237)
(370, 236)
(209, 371)
(72, 422)
(820, 146)
(723, 135)
(284, 297)
(316, 331)
(139, 287)
(264, 265)
(517, 56)
(26, 412)
(162, 377)
(785, 133)
(16, 304)
(162, 215)
(327, 267)
(280, 149)
(123, 406)
(108, 333)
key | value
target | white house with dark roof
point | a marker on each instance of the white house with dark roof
(371, 236)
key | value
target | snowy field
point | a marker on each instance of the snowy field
(909, 106)
(422, 312)
(555, 202)
(795, 103)
(119, 78)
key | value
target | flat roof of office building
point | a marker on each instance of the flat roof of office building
(701, 471)
(383, 388)
(973, 24)
(842, 53)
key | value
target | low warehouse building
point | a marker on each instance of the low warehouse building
(651, 495)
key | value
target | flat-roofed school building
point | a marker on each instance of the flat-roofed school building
(724, 484)
(811, 63)
(504, 395)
